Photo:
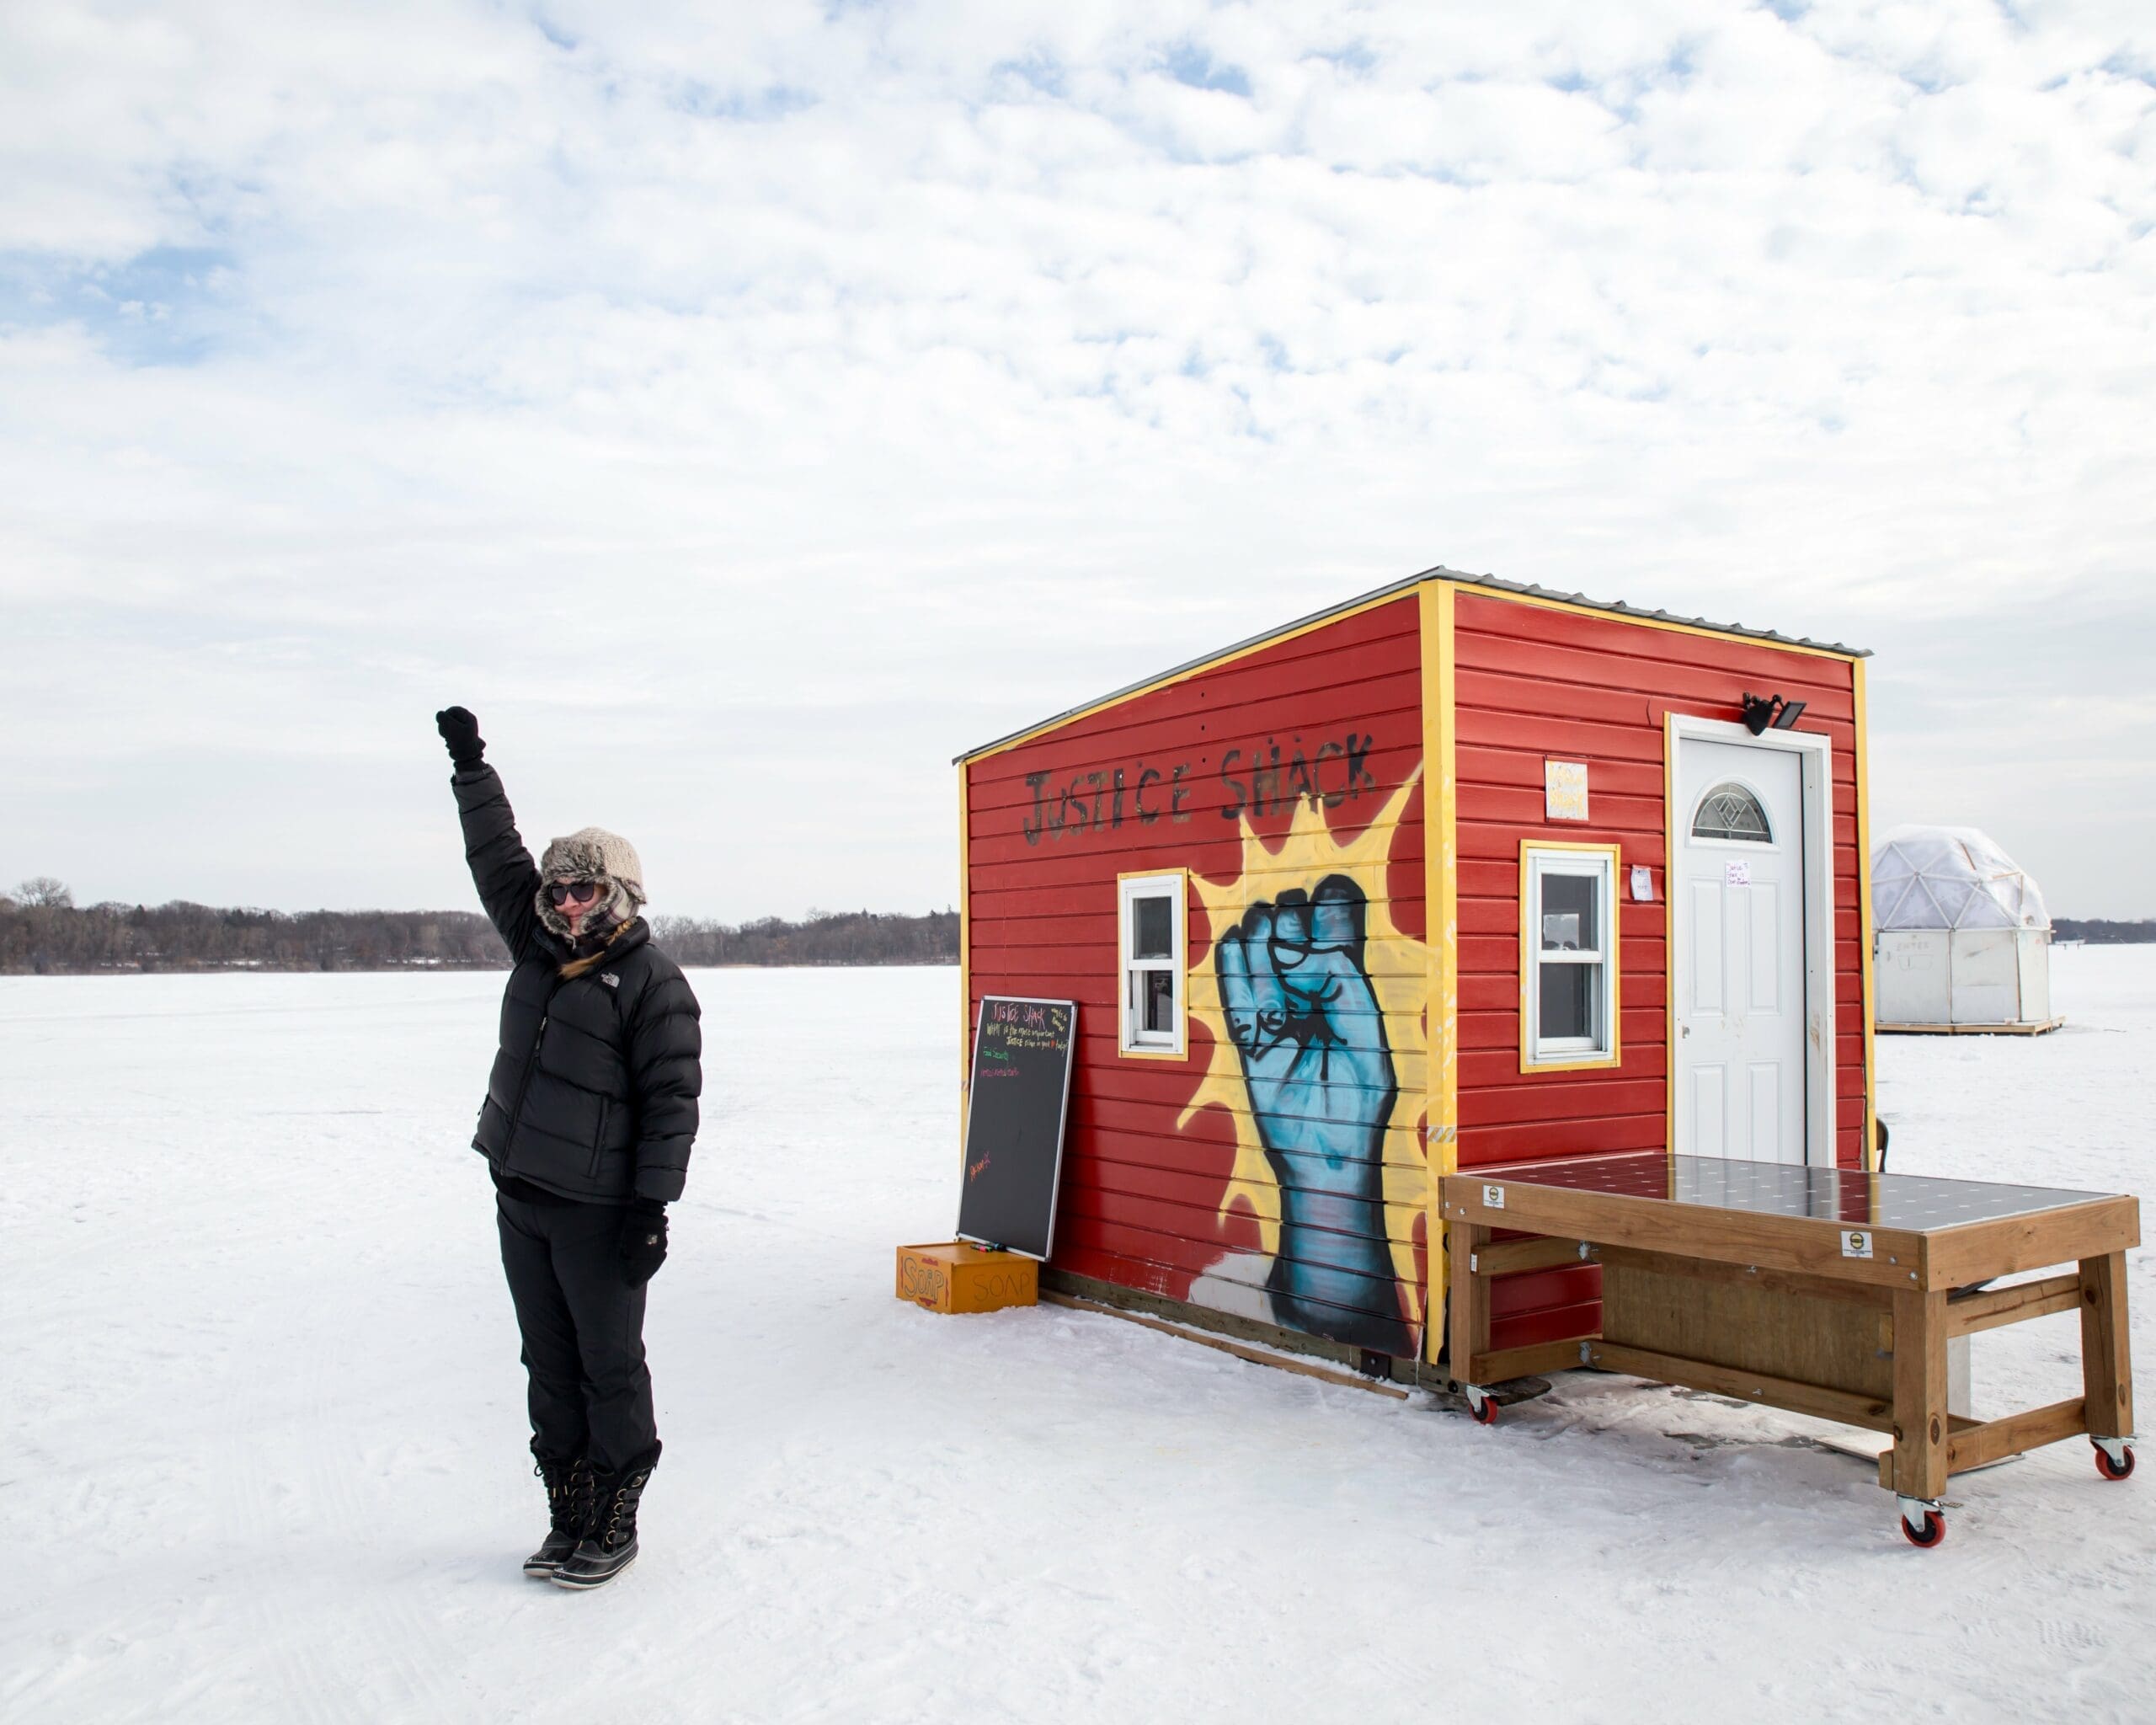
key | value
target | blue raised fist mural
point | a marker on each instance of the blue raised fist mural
(1303, 1017)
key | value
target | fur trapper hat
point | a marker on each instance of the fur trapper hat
(593, 853)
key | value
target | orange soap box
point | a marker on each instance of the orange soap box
(957, 1276)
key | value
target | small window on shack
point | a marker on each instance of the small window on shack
(1151, 918)
(1568, 957)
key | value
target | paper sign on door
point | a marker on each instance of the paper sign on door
(1736, 875)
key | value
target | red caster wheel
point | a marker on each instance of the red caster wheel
(2120, 1469)
(1484, 1410)
(1934, 1530)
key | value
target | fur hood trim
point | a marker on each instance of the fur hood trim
(593, 853)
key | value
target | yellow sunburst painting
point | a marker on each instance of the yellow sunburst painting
(1397, 971)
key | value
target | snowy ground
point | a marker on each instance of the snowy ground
(261, 1431)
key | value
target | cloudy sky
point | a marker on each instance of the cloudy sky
(745, 408)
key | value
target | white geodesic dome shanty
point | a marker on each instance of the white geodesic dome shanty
(1950, 877)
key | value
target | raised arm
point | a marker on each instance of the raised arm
(502, 869)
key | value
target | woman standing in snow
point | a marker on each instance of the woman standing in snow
(590, 1114)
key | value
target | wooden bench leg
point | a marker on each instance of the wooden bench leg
(1920, 1420)
(2106, 1363)
(1468, 1320)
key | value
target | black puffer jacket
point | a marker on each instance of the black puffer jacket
(593, 1091)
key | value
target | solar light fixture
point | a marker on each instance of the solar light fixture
(1762, 711)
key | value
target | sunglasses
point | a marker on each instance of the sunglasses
(583, 891)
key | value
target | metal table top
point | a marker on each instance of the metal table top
(1918, 1203)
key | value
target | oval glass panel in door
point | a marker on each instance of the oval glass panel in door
(1729, 811)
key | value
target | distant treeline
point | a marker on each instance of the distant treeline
(59, 939)
(827, 937)
(2102, 933)
(42, 932)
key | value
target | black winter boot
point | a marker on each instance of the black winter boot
(568, 1506)
(609, 1545)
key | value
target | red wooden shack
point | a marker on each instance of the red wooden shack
(1389, 892)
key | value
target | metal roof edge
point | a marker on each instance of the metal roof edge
(1436, 572)
(1618, 607)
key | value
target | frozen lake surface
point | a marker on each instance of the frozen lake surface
(262, 1434)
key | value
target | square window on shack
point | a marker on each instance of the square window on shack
(1568, 956)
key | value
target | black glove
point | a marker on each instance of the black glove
(643, 1240)
(461, 731)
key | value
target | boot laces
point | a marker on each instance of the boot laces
(625, 1498)
(569, 1491)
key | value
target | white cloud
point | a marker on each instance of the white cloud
(746, 408)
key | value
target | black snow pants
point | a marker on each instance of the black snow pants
(582, 1329)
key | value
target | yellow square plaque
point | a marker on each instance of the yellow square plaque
(1564, 790)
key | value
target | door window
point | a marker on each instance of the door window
(1729, 811)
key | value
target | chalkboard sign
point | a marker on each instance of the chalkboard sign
(1014, 1123)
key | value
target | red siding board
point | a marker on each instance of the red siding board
(1763, 663)
(1582, 1134)
(1545, 1291)
(1554, 734)
(1522, 768)
(1524, 1099)
(1557, 1324)
(1653, 675)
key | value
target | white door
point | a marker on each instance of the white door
(1737, 888)
(1987, 976)
(1914, 976)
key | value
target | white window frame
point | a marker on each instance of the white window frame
(1540, 859)
(1174, 885)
